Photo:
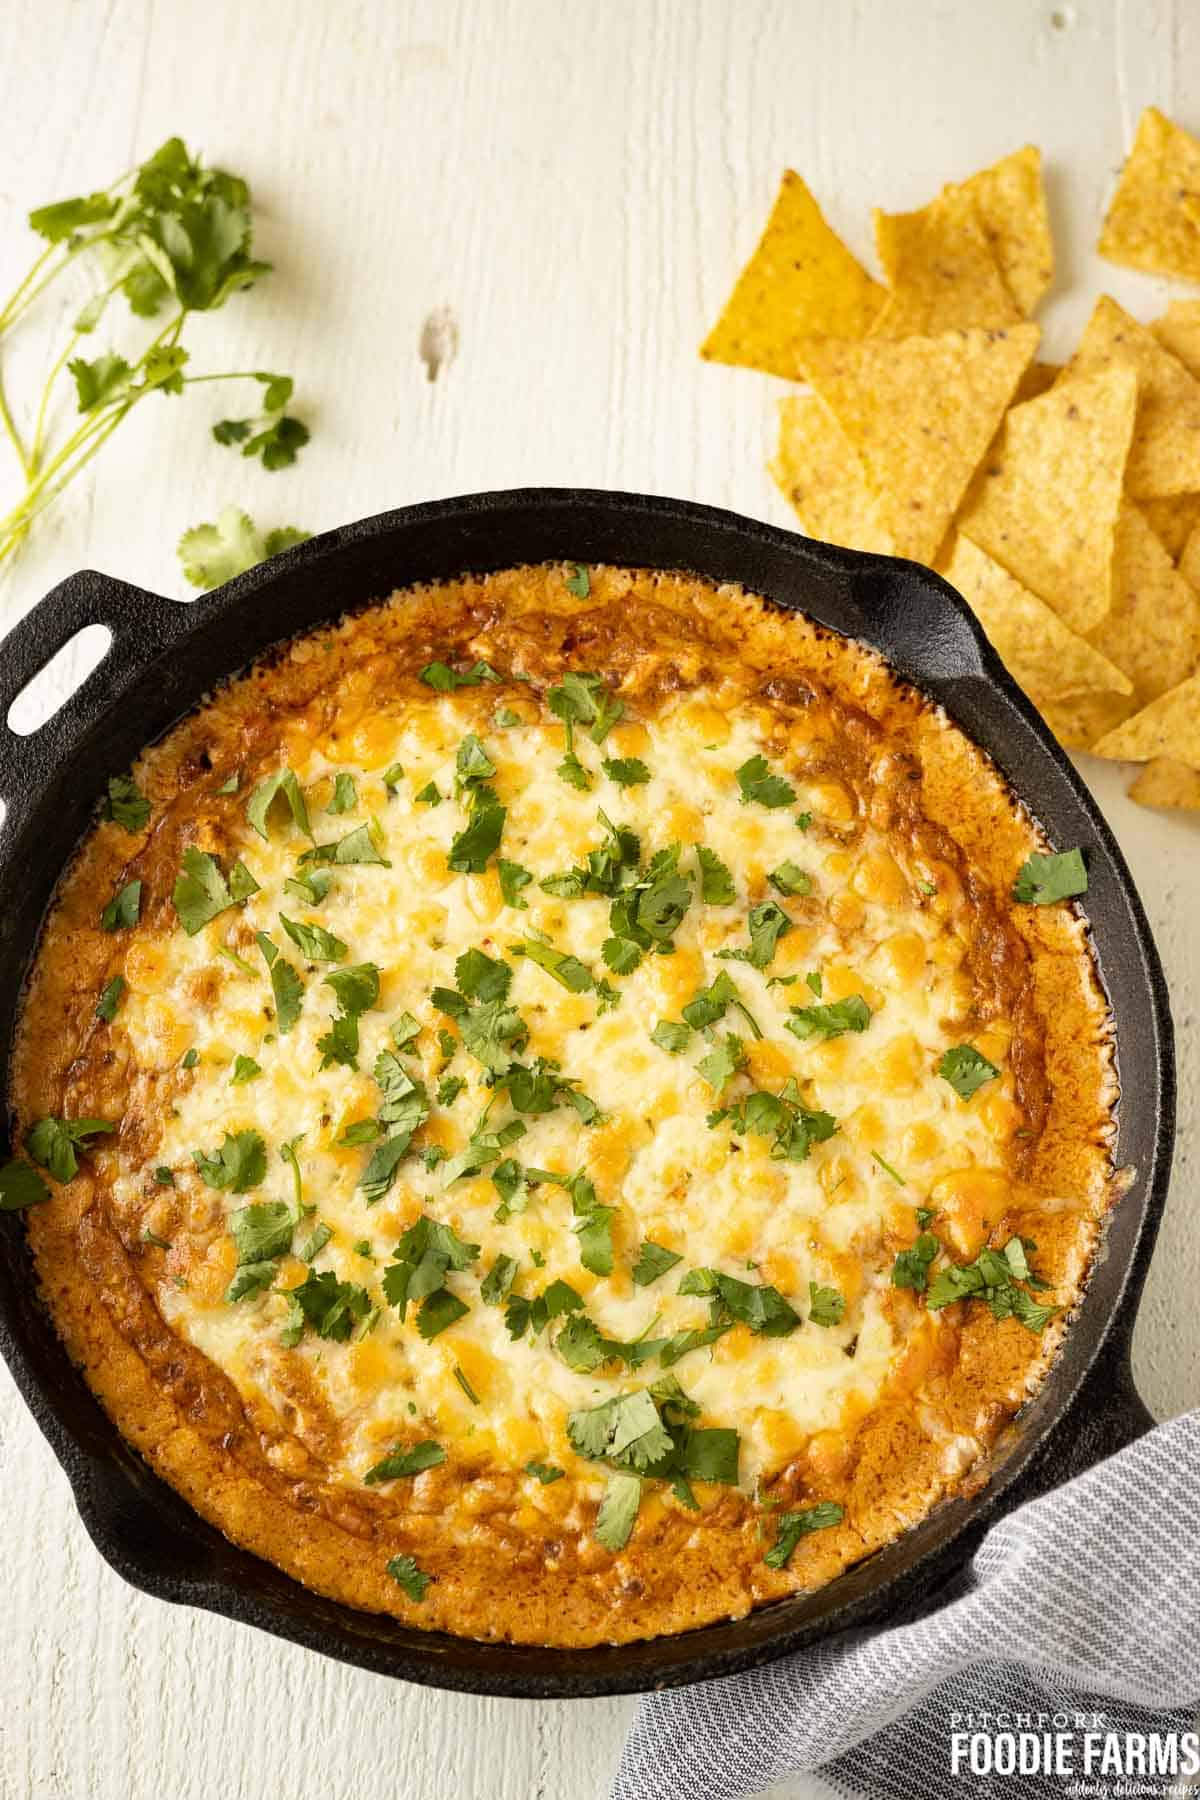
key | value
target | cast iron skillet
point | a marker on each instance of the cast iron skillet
(165, 656)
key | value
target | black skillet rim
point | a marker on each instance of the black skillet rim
(1087, 1406)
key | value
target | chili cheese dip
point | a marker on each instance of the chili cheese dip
(570, 1105)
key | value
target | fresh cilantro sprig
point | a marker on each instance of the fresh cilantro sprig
(172, 237)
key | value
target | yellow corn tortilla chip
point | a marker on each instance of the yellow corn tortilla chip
(1166, 783)
(801, 281)
(1040, 653)
(941, 270)
(1169, 726)
(1150, 223)
(1079, 720)
(921, 413)
(1045, 503)
(1164, 457)
(1152, 632)
(1172, 519)
(1038, 378)
(1178, 330)
(821, 474)
(1010, 201)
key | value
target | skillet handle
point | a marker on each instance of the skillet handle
(142, 626)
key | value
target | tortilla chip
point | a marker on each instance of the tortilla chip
(1153, 630)
(1169, 726)
(1032, 642)
(822, 475)
(1172, 519)
(1011, 203)
(1178, 330)
(921, 413)
(1038, 378)
(1164, 457)
(1168, 784)
(801, 281)
(1078, 721)
(941, 270)
(1148, 225)
(1045, 503)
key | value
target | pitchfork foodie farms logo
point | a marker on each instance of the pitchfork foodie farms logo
(1090, 1756)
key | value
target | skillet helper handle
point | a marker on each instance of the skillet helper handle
(142, 626)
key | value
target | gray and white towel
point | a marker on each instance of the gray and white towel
(1082, 1606)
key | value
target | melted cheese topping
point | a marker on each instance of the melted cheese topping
(714, 1197)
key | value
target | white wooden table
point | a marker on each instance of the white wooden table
(577, 184)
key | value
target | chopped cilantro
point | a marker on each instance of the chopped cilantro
(358, 846)
(763, 1309)
(110, 999)
(831, 1021)
(789, 879)
(201, 891)
(123, 909)
(579, 581)
(263, 1229)
(405, 1573)
(445, 679)
(544, 1472)
(20, 1186)
(429, 795)
(244, 1069)
(757, 783)
(393, 776)
(330, 1306)
(321, 1235)
(283, 785)
(126, 804)
(459, 1375)
(716, 883)
(1042, 880)
(784, 1117)
(286, 985)
(653, 1260)
(626, 771)
(400, 1462)
(313, 941)
(887, 1168)
(723, 1061)
(496, 1283)
(479, 839)
(345, 795)
(585, 700)
(792, 1526)
(53, 1143)
(671, 1036)
(911, 1268)
(767, 923)
(966, 1069)
(826, 1306)
(239, 1164)
(567, 970)
(618, 1510)
(512, 879)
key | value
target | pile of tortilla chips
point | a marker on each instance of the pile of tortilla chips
(1062, 501)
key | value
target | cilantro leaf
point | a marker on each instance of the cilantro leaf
(911, 1268)
(400, 1462)
(357, 847)
(579, 581)
(286, 986)
(626, 771)
(790, 879)
(442, 1309)
(20, 1186)
(201, 891)
(966, 1069)
(792, 1526)
(53, 1143)
(825, 1305)
(653, 1260)
(567, 970)
(767, 924)
(425, 1254)
(250, 1279)
(261, 1230)
(584, 699)
(444, 679)
(1042, 880)
(356, 986)
(512, 879)
(110, 999)
(544, 1472)
(405, 1573)
(126, 803)
(330, 1306)
(671, 1037)
(763, 1309)
(496, 1283)
(124, 909)
(618, 1510)
(345, 796)
(239, 1164)
(831, 1021)
(757, 783)
(213, 554)
(722, 1061)
(479, 839)
(316, 943)
(716, 883)
(244, 1069)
